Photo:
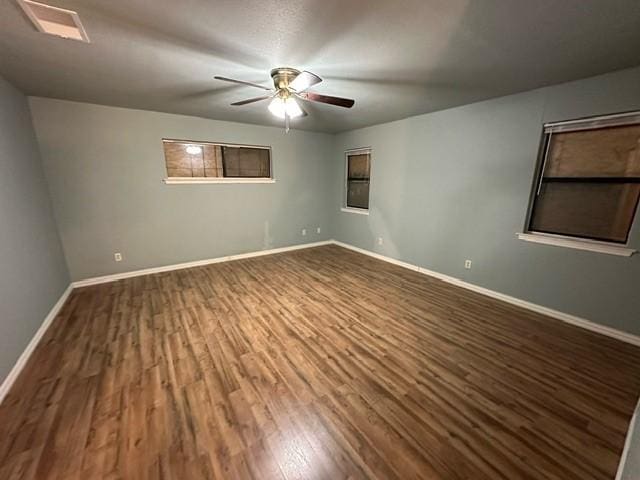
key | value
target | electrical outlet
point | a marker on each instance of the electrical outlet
(318, 230)
(380, 242)
(304, 232)
(117, 257)
(467, 264)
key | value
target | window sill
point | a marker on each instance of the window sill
(191, 181)
(592, 246)
(355, 210)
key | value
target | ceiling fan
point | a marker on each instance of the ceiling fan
(289, 84)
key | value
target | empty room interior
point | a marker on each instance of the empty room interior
(292, 240)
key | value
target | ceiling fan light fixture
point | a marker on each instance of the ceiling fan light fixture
(281, 106)
(289, 86)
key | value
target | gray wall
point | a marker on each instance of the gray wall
(446, 186)
(105, 167)
(455, 184)
(33, 273)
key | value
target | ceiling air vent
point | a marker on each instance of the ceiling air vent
(54, 21)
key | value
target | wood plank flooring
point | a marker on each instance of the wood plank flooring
(315, 364)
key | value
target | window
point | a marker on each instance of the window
(588, 183)
(202, 162)
(357, 185)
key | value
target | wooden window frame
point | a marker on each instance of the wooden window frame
(213, 180)
(345, 206)
(576, 241)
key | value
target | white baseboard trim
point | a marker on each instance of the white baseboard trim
(24, 357)
(384, 258)
(565, 317)
(628, 442)
(198, 263)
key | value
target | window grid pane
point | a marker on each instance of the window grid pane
(605, 152)
(590, 186)
(593, 210)
(358, 171)
(358, 194)
(208, 160)
(245, 162)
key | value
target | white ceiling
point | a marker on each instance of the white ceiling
(396, 58)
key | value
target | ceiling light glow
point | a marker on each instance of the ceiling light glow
(194, 149)
(279, 106)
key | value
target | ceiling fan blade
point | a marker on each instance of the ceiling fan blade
(242, 82)
(338, 101)
(304, 80)
(251, 100)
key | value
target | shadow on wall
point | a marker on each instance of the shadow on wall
(267, 239)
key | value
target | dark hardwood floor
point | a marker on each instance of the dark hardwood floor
(315, 364)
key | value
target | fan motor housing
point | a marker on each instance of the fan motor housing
(283, 76)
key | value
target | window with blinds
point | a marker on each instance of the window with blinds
(588, 184)
(198, 160)
(357, 185)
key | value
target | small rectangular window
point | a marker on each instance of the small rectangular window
(357, 185)
(204, 160)
(588, 184)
